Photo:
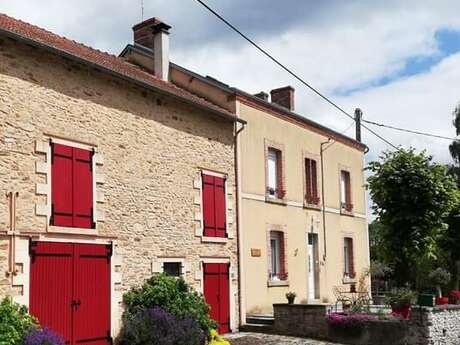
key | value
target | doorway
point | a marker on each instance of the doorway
(313, 267)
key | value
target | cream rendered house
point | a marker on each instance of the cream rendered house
(301, 202)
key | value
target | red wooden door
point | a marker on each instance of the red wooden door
(70, 290)
(217, 294)
(51, 286)
(92, 293)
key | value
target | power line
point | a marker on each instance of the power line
(409, 130)
(267, 54)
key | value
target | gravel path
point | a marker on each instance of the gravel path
(267, 339)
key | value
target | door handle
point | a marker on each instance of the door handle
(75, 303)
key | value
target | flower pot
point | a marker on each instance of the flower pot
(402, 310)
(442, 300)
(454, 297)
(291, 300)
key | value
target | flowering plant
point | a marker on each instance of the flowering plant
(349, 320)
(43, 336)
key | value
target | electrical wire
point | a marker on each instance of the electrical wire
(292, 73)
(409, 130)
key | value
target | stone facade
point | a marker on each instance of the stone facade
(151, 150)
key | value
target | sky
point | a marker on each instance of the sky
(397, 60)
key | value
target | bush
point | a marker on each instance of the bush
(15, 322)
(158, 327)
(171, 294)
(400, 296)
(43, 337)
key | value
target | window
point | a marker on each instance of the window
(348, 269)
(345, 191)
(274, 174)
(311, 182)
(173, 269)
(277, 256)
(71, 187)
(214, 206)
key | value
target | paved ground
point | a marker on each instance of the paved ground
(265, 339)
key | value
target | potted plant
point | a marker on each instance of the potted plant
(400, 300)
(439, 277)
(454, 297)
(291, 297)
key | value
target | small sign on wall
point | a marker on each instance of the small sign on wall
(256, 252)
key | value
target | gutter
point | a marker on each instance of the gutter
(72, 57)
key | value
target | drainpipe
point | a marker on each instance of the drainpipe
(12, 235)
(241, 282)
(322, 196)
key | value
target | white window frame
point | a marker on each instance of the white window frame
(272, 170)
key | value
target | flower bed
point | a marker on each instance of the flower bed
(349, 320)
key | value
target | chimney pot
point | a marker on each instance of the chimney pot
(262, 95)
(284, 97)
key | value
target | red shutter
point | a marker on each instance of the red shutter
(351, 258)
(72, 187)
(314, 182)
(62, 185)
(308, 180)
(283, 270)
(280, 192)
(347, 188)
(214, 206)
(83, 189)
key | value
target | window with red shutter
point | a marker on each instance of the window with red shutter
(71, 187)
(311, 182)
(345, 191)
(214, 206)
(349, 266)
(277, 256)
(275, 187)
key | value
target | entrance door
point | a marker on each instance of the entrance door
(70, 290)
(217, 294)
(313, 267)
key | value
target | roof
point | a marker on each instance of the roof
(277, 110)
(111, 64)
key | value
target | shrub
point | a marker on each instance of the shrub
(171, 294)
(43, 336)
(15, 322)
(400, 296)
(156, 326)
(348, 320)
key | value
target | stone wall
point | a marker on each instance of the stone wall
(428, 326)
(152, 148)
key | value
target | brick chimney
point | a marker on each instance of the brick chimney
(284, 97)
(154, 34)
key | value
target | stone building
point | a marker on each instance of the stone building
(112, 173)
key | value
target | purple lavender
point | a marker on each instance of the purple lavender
(43, 336)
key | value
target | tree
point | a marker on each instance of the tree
(412, 195)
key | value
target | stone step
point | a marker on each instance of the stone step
(256, 328)
(260, 319)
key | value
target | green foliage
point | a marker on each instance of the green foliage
(379, 270)
(400, 296)
(15, 322)
(454, 148)
(412, 196)
(171, 294)
(439, 276)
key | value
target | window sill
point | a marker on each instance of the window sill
(272, 200)
(72, 231)
(348, 280)
(275, 283)
(207, 239)
(312, 206)
(347, 213)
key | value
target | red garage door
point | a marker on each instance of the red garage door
(217, 294)
(70, 290)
